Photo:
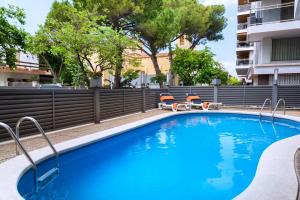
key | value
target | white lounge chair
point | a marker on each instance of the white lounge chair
(167, 101)
(195, 101)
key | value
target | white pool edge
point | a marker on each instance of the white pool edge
(275, 177)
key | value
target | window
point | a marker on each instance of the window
(286, 49)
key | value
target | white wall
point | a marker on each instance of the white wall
(257, 53)
(266, 51)
(27, 57)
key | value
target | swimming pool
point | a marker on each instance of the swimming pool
(188, 156)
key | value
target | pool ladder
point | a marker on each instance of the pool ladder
(49, 175)
(263, 106)
(273, 112)
(278, 102)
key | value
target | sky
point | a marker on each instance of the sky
(224, 50)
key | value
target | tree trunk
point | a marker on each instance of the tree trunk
(54, 80)
(117, 75)
(119, 67)
(195, 43)
(172, 75)
(156, 67)
(87, 80)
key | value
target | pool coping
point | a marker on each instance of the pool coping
(275, 170)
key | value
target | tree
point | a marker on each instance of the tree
(12, 38)
(117, 14)
(71, 34)
(45, 44)
(94, 45)
(128, 76)
(206, 24)
(155, 27)
(197, 66)
(198, 24)
(234, 81)
(156, 23)
(164, 21)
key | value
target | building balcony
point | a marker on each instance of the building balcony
(26, 74)
(283, 68)
(242, 72)
(245, 46)
(244, 9)
(27, 68)
(272, 14)
(273, 21)
(243, 62)
(242, 26)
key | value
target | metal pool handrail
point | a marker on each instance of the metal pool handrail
(18, 143)
(38, 126)
(263, 106)
(273, 113)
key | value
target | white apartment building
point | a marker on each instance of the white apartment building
(244, 48)
(273, 30)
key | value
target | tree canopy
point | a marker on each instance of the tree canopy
(157, 23)
(118, 15)
(12, 37)
(234, 81)
(164, 21)
(197, 67)
(98, 34)
(72, 34)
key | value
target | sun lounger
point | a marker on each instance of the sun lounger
(167, 101)
(195, 101)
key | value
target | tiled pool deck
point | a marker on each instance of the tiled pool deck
(7, 150)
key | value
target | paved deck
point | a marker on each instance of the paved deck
(7, 149)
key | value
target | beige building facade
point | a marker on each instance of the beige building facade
(146, 66)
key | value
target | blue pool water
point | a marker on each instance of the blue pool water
(189, 156)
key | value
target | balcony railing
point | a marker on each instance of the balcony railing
(27, 65)
(244, 62)
(271, 14)
(242, 26)
(244, 44)
(243, 8)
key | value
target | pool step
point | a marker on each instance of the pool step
(47, 177)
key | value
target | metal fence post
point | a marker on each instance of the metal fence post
(216, 82)
(274, 94)
(275, 89)
(216, 93)
(97, 105)
(143, 100)
(244, 96)
(53, 109)
(123, 100)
